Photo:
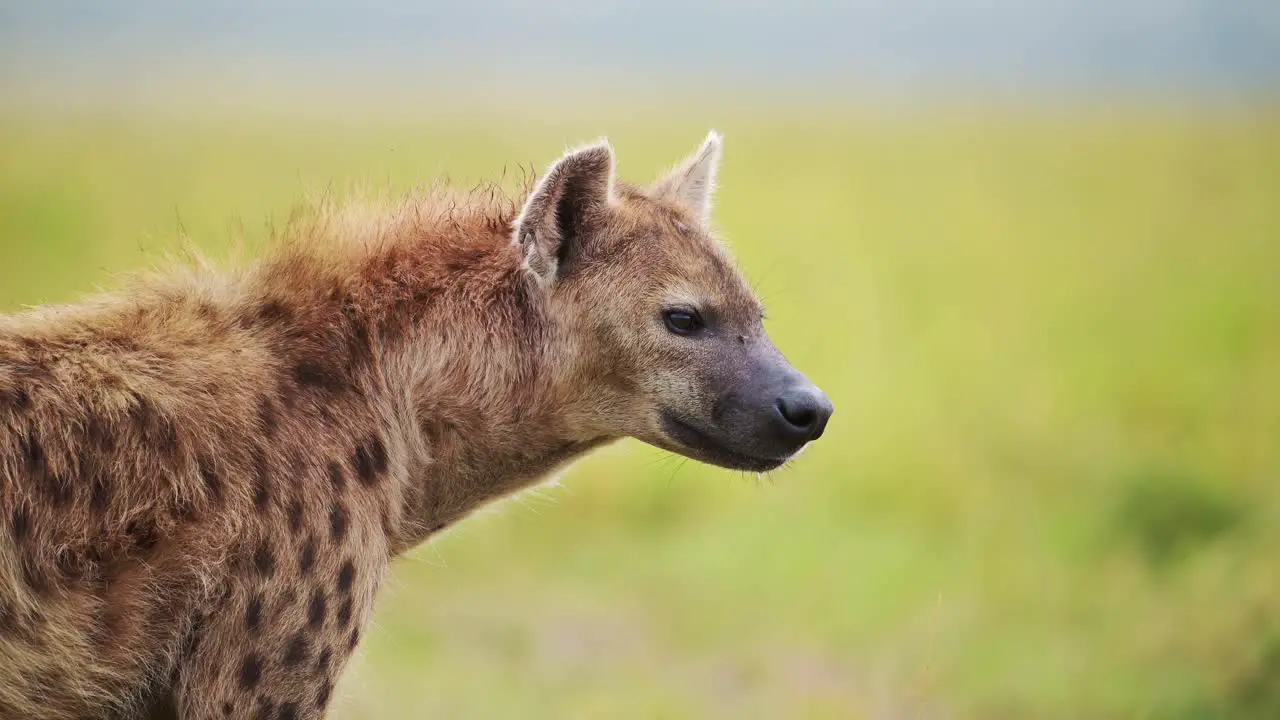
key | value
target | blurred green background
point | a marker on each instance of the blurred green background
(1052, 337)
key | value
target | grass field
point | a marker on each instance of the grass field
(1050, 488)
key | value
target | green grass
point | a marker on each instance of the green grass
(1049, 490)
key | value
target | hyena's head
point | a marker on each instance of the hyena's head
(667, 334)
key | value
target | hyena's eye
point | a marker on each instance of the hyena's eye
(682, 322)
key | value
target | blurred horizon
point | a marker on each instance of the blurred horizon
(913, 51)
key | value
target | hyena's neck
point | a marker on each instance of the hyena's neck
(468, 371)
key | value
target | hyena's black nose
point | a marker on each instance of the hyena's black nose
(802, 413)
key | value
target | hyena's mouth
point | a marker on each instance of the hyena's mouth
(700, 445)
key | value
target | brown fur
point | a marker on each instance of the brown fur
(203, 479)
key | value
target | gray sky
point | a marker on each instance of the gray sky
(1182, 48)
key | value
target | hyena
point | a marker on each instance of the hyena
(204, 478)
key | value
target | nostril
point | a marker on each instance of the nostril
(801, 415)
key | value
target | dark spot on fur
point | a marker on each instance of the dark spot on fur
(312, 374)
(307, 559)
(261, 479)
(250, 671)
(315, 614)
(344, 613)
(322, 662)
(296, 652)
(322, 697)
(33, 453)
(253, 613)
(338, 522)
(354, 639)
(274, 311)
(58, 488)
(155, 428)
(192, 641)
(100, 493)
(93, 553)
(346, 575)
(359, 342)
(99, 434)
(143, 535)
(227, 708)
(264, 560)
(36, 576)
(288, 711)
(265, 708)
(212, 482)
(19, 398)
(335, 475)
(370, 461)
(295, 515)
(378, 450)
(21, 524)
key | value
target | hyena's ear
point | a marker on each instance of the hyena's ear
(564, 208)
(692, 182)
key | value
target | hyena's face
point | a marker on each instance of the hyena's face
(678, 351)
